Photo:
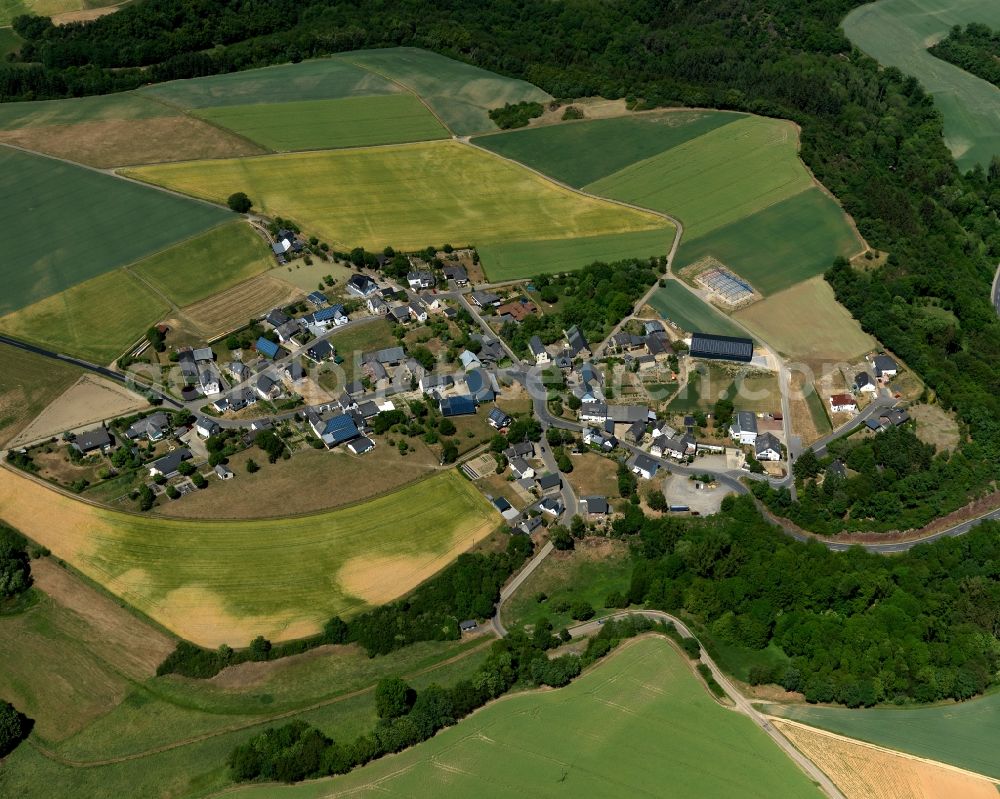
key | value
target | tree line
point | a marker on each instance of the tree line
(974, 48)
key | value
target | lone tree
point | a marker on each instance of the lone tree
(393, 698)
(239, 202)
(13, 728)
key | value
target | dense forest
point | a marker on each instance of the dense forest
(872, 135)
(975, 48)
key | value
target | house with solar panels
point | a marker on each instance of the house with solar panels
(721, 348)
(336, 430)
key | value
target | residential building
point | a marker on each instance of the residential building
(153, 427)
(167, 465)
(595, 506)
(317, 298)
(520, 468)
(337, 430)
(96, 440)
(593, 437)
(485, 299)
(576, 343)
(267, 389)
(462, 405)
(267, 348)
(418, 312)
(206, 427)
(276, 318)
(361, 286)
(744, 428)
(725, 348)
(456, 274)
(524, 449)
(517, 309)
(498, 419)
(885, 367)
(399, 314)
(320, 351)
(538, 351)
(390, 356)
(361, 445)
(530, 525)
(552, 506)
(431, 383)
(420, 279)
(894, 417)
(864, 384)
(506, 509)
(548, 482)
(203, 354)
(377, 306)
(593, 412)
(644, 466)
(469, 360)
(653, 326)
(294, 373)
(209, 382)
(636, 432)
(843, 403)
(287, 331)
(238, 370)
(767, 447)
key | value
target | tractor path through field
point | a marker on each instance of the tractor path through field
(57, 758)
(742, 704)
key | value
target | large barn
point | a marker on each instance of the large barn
(722, 348)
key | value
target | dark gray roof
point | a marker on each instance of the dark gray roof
(361, 445)
(863, 379)
(536, 346)
(547, 481)
(627, 414)
(575, 340)
(596, 409)
(168, 463)
(730, 348)
(766, 441)
(883, 363)
(93, 439)
(646, 463)
(388, 355)
(745, 421)
(519, 450)
(595, 504)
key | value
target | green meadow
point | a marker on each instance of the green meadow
(88, 224)
(690, 313)
(460, 94)
(784, 244)
(638, 724)
(897, 33)
(583, 152)
(328, 124)
(517, 259)
(322, 79)
(206, 264)
(74, 110)
(964, 734)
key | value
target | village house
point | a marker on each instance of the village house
(203, 354)
(538, 351)
(317, 299)
(497, 419)
(420, 279)
(238, 370)
(418, 312)
(325, 318)
(275, 318)
(594, 437)
(524, 449)
(636, 432)
(267, 389)
(209, 382)
(320, 351)
(593, 412)
(885, 367)
(767, 447)
(360, 446)
(595, 506)
(435, 383)
(530, 525)
(336, 430)
(398, 314)
(469, 360)
(267, 348)
(485, 299)
(520, 468)
(206, 427)
(153, 428)
(286, 333)
(167, 465)
(491, 351)
(549, 481)
(456, 274)
(462, 405)
(96, 440)
(294, 373)
(223, 472)
(644, 466)
(744, 428)
(552, 506)
(843, 403)
(376, 306)
(864, 384)
(361, 286)
(517, 309)
(676, 447)
(576, 343)
(285, 241)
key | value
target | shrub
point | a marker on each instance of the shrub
(581, 611)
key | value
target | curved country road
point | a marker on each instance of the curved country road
(742, 704)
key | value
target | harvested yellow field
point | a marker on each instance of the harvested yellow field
(233, 308)
(215, 582)
(864, 771)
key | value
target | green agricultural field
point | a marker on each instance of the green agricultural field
(720, 177)
(74, 110)
(757, 392)
(567, 577)
(460, 94)
(641, 721)
(45, 8)
(88, 224)
(897, 33)
(690, 313)
(27, 384)
(408, 196)
(96, 320)
(206, 264)
(964, 735)
(566, 152)
(322, 79)
(220, 581)
(516, 259)
(782, 245)
(328, 124)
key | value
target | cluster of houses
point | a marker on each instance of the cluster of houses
(346, 422)
(743, 430)
(884, 368)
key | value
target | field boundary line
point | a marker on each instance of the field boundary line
(56, 757)
(779, 720)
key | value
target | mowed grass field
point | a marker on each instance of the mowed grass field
(115, 130)
(567, 152)
(897, 33)
(717, 178)
(27, 384)
(407, 196)
(321, 79)
(781, 245)
(460, 94)
(690, 313)
(95, 320)
(206, 264)
(76, 224)
(963, 735)
(216, 582)
(516, 259)
(640, 723)
(806, 323)
(328, 124)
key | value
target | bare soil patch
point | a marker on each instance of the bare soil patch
(594, 475)
(863, 771)
(86, 14)
(139, 647)
(935, 426)
(129, 142)
(90, 400)
(310, 481)
(232, 309)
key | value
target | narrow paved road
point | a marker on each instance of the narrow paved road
(514, 584)
(742, 705)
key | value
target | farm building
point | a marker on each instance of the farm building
(223, 472)
(98, 439)
(468, 625)
(317, 298)
(843, 403)
(721, 348)
(744, 428)
(463, 405)
(767, 448)
(628, 414)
